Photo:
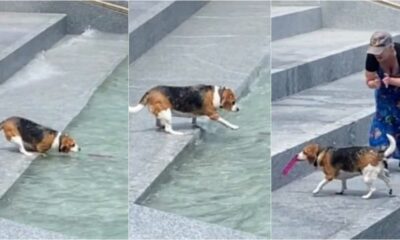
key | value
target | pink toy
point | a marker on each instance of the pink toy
(289, 165)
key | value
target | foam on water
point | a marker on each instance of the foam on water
(39, 69)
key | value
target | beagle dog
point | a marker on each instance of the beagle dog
(191, 101)
(34, 137)
(345, 163)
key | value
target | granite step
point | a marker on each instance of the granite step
(13, 230)
(288, 21)
(172, 226)
(150, 21)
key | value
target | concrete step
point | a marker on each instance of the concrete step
(356, 15)
(80, 14)
(13, 230)
(54, 87)
(25, 34)
(336, 113)
(288, 21)
(143, 226)
(303, 61)
(332, 216)
(295, 3)
(120, 3)
(223, 44)
(150, 21)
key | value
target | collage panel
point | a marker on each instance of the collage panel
(335, 100)
(199, 94)
(63, 101)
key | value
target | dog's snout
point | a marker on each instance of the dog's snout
(79, 149)
(237, 110)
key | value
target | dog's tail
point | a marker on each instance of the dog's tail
(387, 152)
(142, 103)
(392, 146)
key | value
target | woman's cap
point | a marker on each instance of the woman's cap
(379, 41)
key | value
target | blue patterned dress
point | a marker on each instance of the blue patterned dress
(387, 117)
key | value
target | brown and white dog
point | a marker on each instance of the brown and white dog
(192, 101)
(31, 136)
(345, 163)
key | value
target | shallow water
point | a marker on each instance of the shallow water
(225, 179)
(84, 194)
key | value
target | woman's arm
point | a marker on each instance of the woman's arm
(372, 80)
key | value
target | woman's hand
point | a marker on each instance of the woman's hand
(386, 80)
(393, 81)
(372, 80)
(374, 84)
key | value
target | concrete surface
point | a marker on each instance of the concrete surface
(288, 21)
(80, 14)
(386, 228)
(124, 3)
(138, 8)
(54, 87)
(332, 216)
(357, 15)
(203, 49)
(25, 34)
(150, 21)
(295, 2)
(171, 226)
(321, 56)
(12, 230)
(336, 113)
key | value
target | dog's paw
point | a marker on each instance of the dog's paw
(340, 193)
(176, 133)
(28, 154)
(315, 191)
(390, 192)
(234, 127)
(366, 196)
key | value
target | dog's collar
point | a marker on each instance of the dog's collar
(59, 142)
(221, 90)
(321, 155)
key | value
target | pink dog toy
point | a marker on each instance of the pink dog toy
(289, 165)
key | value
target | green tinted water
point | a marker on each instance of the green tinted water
(85, 194)
(225, 179)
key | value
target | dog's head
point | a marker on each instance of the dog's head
(309, 153)
(228, 100)
(68, 144)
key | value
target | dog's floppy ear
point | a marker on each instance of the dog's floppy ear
(63, 148)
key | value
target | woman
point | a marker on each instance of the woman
(382, 72)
